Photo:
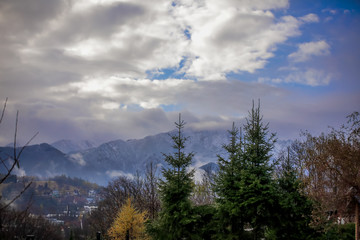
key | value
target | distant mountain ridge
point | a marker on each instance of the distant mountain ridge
(101, 163)
(68, 146)
(39, 160)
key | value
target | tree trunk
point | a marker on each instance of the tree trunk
(127, 237)
(356, 220)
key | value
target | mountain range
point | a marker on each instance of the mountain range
(101, 163)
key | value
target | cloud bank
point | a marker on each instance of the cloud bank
(106, 69)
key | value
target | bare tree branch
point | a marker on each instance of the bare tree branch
(2, 161)
(14, 199)
(26, 145)
(15, 157)
(3, 111)
(15, 134)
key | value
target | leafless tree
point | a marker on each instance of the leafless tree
(330, 169)
(150, 191)
(203, 193)
(18, 225)
(141, 189)
(114, 196)
(10, 162)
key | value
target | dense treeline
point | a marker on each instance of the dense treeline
(302, 194)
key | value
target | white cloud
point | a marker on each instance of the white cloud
(329, 10)
(118, 173)
(307, 50)
(19, 172)
(232, 36)
(83, 5)
(309, 18)
(311, 77)
(88, 49)
(125, 92)
(270, 80)
(78, 159)
(136, 37)
(133, 35)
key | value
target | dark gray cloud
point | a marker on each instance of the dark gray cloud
(20, 19)
(96, 22)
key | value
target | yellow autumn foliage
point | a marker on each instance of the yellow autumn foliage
(129, 222)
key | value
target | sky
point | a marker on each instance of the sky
(104, 69)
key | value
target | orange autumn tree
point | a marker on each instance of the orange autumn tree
(128, 224)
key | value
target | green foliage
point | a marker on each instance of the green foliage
(206, 224)
(230, 215)
(247, 193)
(257, 188)
(295, 208)
(257, 142)
(339, 232)
(176, 219)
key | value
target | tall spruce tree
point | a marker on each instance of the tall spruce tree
(245, 188)
(231, 222)
(257, 190)
(176, 219)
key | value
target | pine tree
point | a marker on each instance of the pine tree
(176, 218)
(231, 222)
(257, 190)
(128, 224)
(246, 191)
